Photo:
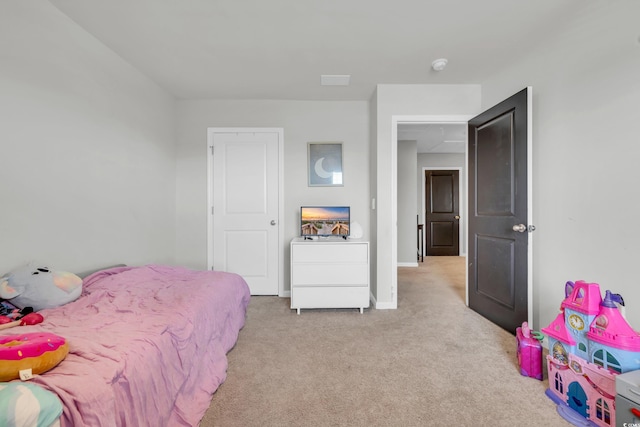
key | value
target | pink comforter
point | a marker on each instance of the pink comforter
(147, 345)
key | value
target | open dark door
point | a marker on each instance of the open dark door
(442, 212)
(498, 212)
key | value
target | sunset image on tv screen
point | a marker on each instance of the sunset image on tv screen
(325, 221)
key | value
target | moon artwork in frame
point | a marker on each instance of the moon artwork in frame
(325, 164)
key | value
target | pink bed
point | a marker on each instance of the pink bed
(148, 345)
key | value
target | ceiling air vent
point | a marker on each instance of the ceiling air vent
(335, 79)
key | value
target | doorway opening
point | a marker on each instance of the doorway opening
(490, 256)
(402, 126)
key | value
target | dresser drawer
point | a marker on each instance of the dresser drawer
(321, 297)
(317, 252)
(330, 274)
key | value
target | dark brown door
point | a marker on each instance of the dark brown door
(498, 259)
(442, 214)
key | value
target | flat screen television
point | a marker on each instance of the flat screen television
(325, 221)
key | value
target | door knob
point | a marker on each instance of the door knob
(273, 222)
(457, 217)
(520, 228)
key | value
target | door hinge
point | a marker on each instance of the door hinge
(211, 210)
(212, 150)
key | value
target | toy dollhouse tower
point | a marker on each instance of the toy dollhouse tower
(568, 332)
(614, 344)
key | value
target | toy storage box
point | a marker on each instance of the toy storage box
(529, 352)
(628, 399)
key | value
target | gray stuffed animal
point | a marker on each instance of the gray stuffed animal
(39, 287)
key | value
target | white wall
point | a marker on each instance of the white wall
(404, 100)
(407, 203)
(303, 122)
(88, 161)
(444, 161)
(586, 92)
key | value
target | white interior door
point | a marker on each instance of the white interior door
(245, 170)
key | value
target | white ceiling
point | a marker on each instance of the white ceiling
(277, 49)
(435, 137)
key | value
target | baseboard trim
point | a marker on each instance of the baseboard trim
(381, 305)
(407, 264)
(386, 306)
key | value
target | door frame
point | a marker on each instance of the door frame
(530, 220)
(281, 254)
(409, 119)
(462, 193)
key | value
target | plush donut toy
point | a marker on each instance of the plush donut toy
(38, 351)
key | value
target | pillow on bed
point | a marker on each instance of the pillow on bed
(23, 404)
(39, 287)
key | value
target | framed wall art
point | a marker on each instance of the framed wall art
(325, 164)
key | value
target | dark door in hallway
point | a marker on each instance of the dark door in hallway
(498, 212)
(442, 212)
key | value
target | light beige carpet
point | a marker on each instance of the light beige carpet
(431, 362)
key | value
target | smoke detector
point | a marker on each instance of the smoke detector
(439, 64)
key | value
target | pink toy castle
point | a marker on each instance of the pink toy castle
(589, 344)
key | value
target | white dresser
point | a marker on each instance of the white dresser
(329, 273)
